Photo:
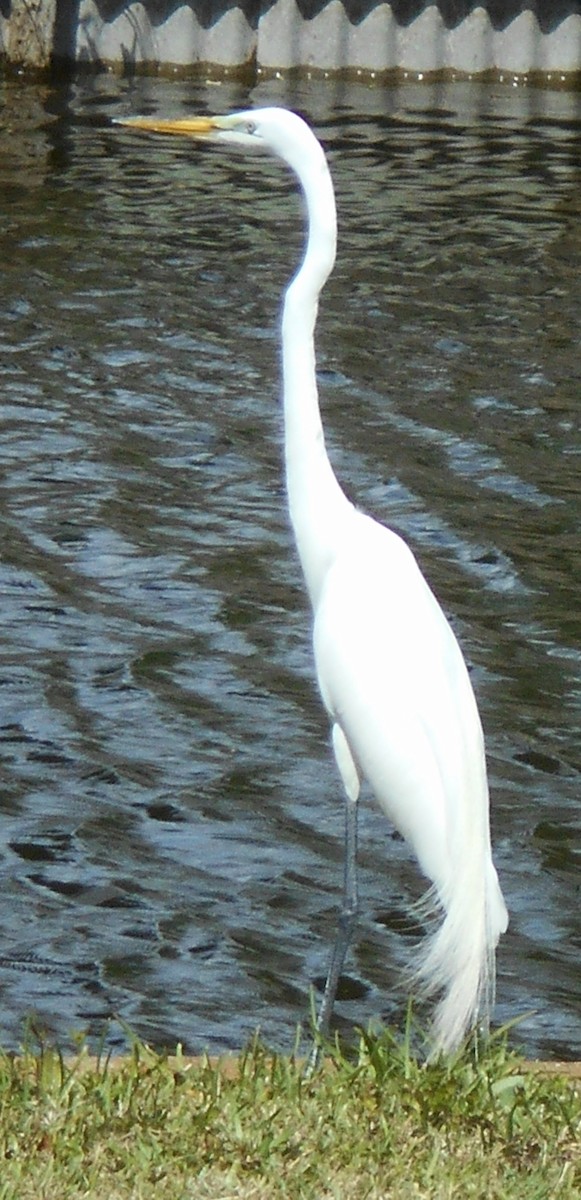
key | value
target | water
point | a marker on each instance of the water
(171, 823)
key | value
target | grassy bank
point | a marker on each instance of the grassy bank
(381, 1125)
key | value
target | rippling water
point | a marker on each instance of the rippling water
(171, 825)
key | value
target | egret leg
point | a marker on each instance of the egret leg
(345, 927)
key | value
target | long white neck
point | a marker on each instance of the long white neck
(315, 499)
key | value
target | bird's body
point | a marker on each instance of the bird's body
(390, 670)
(409, 725)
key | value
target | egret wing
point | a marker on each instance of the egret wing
(392, 676)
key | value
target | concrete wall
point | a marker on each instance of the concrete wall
(419, 36)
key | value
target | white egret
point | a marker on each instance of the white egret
(391, 673)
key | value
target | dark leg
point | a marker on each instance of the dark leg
(345, 927)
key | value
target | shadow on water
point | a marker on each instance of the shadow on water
(171, 826)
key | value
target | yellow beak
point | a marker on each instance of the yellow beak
(188, 126)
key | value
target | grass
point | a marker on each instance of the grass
(379, 1125)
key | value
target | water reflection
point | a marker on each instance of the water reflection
(171, 833)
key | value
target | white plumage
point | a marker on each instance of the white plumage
(390, 671)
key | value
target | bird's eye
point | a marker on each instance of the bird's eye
(250, 127)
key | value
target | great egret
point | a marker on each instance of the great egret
(390, 671)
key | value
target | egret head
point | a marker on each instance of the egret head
(277, 130)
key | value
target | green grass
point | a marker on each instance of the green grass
(379, 1125)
